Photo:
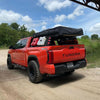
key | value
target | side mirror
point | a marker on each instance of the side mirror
(11, 47)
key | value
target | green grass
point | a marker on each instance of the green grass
(3, 47)
(92, 52)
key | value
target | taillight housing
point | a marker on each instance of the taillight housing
(50, 57)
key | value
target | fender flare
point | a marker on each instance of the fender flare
(33, 57)
(9, 55)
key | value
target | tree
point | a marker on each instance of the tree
(15, 26)
(23, 28)
(32, 32)
(85, 37)
(4, 33)
(10, 34)
(94, 37)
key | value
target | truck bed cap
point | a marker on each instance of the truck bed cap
(60, 31)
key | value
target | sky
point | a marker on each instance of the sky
(39, 15)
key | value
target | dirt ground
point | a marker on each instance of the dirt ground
(84, 84)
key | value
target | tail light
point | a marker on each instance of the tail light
(50, 57)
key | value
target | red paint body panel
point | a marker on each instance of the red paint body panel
(61, 54)
(65, 54)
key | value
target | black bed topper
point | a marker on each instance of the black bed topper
(59, 31)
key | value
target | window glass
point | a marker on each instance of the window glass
(24, 42)
(21, 44)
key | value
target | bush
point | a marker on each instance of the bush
(92, 49)
(94, 37)
(85, 37)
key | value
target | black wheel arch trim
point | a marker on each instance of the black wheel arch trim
(9, 55)
(33, 57)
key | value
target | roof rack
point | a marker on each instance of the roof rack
(86, 3)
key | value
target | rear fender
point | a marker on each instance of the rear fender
(33, 57)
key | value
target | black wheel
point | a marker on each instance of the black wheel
(33, 72)
(9, 63)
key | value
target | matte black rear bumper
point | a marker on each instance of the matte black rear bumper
(62, 68)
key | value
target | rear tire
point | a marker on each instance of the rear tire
(34, 73)
(9, 63)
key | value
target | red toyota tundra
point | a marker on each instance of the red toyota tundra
(52, 51)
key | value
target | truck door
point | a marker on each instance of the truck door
(20, 52)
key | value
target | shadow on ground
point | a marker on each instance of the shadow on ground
(55, 81)
(52, 81)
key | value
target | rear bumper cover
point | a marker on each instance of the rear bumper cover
(61, 68)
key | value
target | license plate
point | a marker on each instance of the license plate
(70, 65)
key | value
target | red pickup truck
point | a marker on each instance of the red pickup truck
(53, 51)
